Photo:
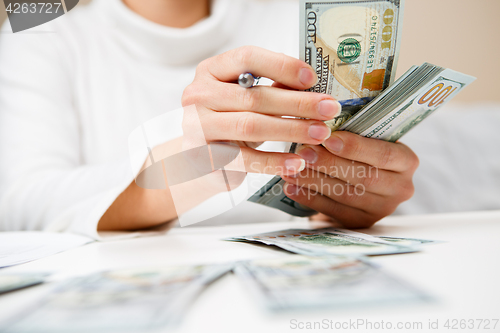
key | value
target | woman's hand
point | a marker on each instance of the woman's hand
(353, 180)
(248, 117)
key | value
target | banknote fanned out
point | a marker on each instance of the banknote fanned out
(411, 99)
(332, 241)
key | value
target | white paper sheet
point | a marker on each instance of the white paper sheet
(20, 247)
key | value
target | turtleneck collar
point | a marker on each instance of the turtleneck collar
(150, 41)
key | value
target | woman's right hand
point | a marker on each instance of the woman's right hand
(228, 112)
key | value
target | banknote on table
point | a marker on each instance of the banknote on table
(298, 282)
(354, 46)
(409, 241)
(118, 301)
(15, 281)
(328, 241)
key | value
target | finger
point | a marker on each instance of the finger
(381, 154)
(348, 216)
(269, 100)
(255, 127)
(281, 86)
(335, 189)
(255, 161)
(371, 178)
(278, 67)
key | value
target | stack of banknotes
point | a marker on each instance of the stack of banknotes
(354, 47)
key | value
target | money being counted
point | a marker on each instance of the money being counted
(354, 48)
(366, 110)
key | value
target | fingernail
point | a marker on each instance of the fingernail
(308, 154)
(319, 132)
(329, 109)
(295, 164)
(307, 77)
(292, 189)
(334, 144)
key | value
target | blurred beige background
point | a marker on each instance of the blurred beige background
(458, 34)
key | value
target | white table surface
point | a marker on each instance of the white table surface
(462, 274)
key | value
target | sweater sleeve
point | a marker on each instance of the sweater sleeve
(44, 182)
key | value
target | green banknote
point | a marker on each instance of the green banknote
(123, 300)
(354, 48)
(15, 281)
(298, 282)
(412, 98)
(328, 241)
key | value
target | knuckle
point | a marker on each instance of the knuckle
(269, 162)
(349, 196)
(408, 191)
(245, 126)
(386, 209)
(195, 94)
(294, 130)
(189, 95)
(202, 66)
(414, 161)
(330, 165)
(244, 56)
(333, 210)
(370, 181)
(353, 148)
(304, 104)
(282, 63)
(251, 99)
(387, 156)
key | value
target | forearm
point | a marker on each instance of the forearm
(138, 208)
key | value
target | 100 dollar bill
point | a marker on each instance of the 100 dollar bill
(354, 48)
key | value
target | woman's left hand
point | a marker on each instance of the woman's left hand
(354, 180)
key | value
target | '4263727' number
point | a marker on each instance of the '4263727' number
(40, 7)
